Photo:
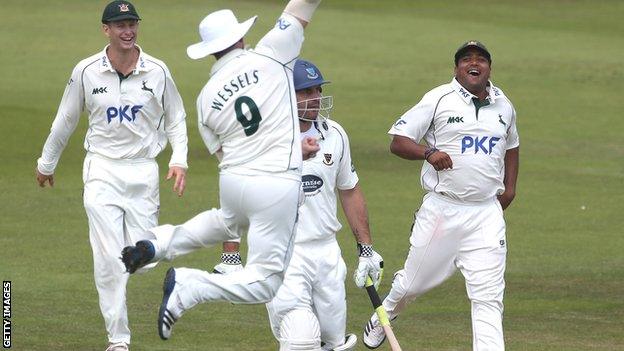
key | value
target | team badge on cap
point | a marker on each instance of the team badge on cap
(119, 10)
(312, 73)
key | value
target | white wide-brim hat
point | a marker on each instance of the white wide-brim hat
(219, 30)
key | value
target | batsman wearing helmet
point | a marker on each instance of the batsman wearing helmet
(310, 306)
(134, 107)
(471, 155)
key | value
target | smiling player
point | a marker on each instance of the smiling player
(471, 165)
(133, 107)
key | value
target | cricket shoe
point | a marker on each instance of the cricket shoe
(374, 335)
(135, 257)
(117, 346)
(168, 313)
(349, 344)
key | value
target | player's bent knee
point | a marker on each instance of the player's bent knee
(299, 330)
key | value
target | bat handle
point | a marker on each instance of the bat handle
(382, 315)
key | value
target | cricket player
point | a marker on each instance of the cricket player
(313, 294)
(134, 108)
(247, 116)
(471, 155)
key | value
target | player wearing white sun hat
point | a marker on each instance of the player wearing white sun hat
(247, 116)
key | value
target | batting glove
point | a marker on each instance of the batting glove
(370, 264)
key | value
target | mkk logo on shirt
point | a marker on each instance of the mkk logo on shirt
(126, 112)
(484, 144)
(100, 90)
(455, 119)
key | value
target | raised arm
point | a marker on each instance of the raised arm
(302, 10)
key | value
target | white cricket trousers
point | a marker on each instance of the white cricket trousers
(315, 280)
(449, 235)
(121, 201)
(267, 206)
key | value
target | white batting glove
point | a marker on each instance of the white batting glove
(370, 265)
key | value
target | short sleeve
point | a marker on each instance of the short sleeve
(415, 122)
(347, 178)
(513, 139)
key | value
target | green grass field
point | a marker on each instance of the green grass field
(559, 61)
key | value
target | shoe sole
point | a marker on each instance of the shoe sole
(350, 342)
(127, 253)
(168, 286)
(369, 346)
(373, 347)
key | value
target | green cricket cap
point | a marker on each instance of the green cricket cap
(119, 11)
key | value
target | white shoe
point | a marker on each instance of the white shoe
(224, 268)
(349, 344)
(117, 346)
(374, 334)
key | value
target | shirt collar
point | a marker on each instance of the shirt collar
(464, 94)
(141, 66)
(225, 59)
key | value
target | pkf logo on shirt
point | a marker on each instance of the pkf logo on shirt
(483, 144)
(126, 112)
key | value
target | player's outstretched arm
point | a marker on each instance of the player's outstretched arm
(302, 10)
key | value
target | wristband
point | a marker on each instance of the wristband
(231, 258)
(365, 250)
(430, 151)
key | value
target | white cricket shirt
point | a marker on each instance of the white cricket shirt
(476, 141)
(329, 170)
(248, 107)
(128, 119)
